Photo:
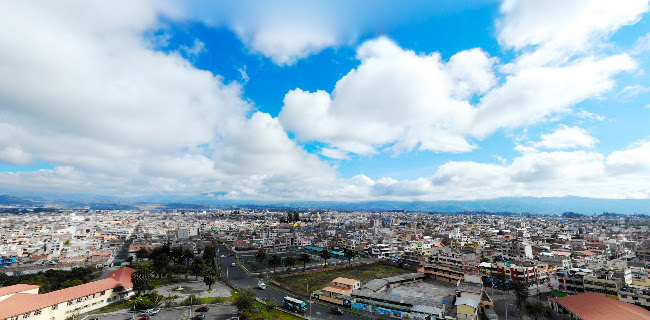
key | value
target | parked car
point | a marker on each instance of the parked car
(336, 311)
(144, 318)
(223, 255)
(198, 317)
(150, 312)
(233, 264)
(202, 309)
(231, 255)
(130, 318)
(94, 318)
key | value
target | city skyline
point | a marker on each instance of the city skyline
(326, 100)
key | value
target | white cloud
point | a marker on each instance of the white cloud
(83, 90)
(404, 101)
(556, 30)
(334, 154)
(566, 138)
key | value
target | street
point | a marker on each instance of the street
(249, 282)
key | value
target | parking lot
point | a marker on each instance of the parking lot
(216, 312)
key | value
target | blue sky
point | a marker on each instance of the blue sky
(325, 100)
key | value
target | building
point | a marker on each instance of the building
(593, 306)
(339, 291)
(22, 301)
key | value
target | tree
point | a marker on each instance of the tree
(188, 256)
(260, 256)
(289, 262)
(326, 254)
(141, 278)
(348, 254)
(536, 309)
(305, 259)
(130, 260)
(521, 292)
(197, 267)
(275, 262)
(501, 278)
(209, 254)
(209, 277)
(244, 302)
(71, 283)
(176, 255)
(141, 254)
(160, 265)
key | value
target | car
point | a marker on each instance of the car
(234, 318)
(231, 255)
(202, 309)
(94, 318)
(130, 318)
(233, 264)
(223, 255)
(150, 312)
(336, 311)
(198, 317)
(144, 318)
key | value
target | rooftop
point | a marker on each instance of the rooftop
(593, 306)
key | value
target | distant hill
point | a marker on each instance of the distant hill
(557, 206)
(8, 200)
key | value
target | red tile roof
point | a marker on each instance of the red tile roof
(21, 303)
(593, 306)
(17, 288)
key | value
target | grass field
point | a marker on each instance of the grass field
(362, 273)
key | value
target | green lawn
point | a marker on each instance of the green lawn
(273, 314)
(362, 273)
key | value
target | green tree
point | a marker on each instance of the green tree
(501, 278)
(176, 255)
(348, 254)
(71, 283)
(260, 256)
(275, 262)
(209, 254)
(141, 278)
(197, 267)
(305, 259)
(326, 254)
(141, 254)
(160, 265)
(188, 256)
(244, 302)
(289, 262)
(209, 277)
(535, 309)
(521, 292)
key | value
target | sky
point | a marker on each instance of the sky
(326, 100)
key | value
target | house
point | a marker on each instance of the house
(339, 291)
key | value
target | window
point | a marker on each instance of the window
(27, 315)
(37, 312)
(54, 307)
(80, 299)
(103, 293)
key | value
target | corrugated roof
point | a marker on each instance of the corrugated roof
(593, 306)
(466, 301)
(426, 309)
(17, 288)
(376, 284)
(21, 303)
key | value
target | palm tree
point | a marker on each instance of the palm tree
(326, 254)
(274, 262)
(289, 262)
(260, 256)
(305, 259)
(141, 278)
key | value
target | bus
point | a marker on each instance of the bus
(294, 304)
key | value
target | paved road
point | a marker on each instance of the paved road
(221, 312)
(249, 282)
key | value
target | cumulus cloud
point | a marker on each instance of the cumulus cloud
(566, 138)
(399, 100)
(83, 90)
(554, 31)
